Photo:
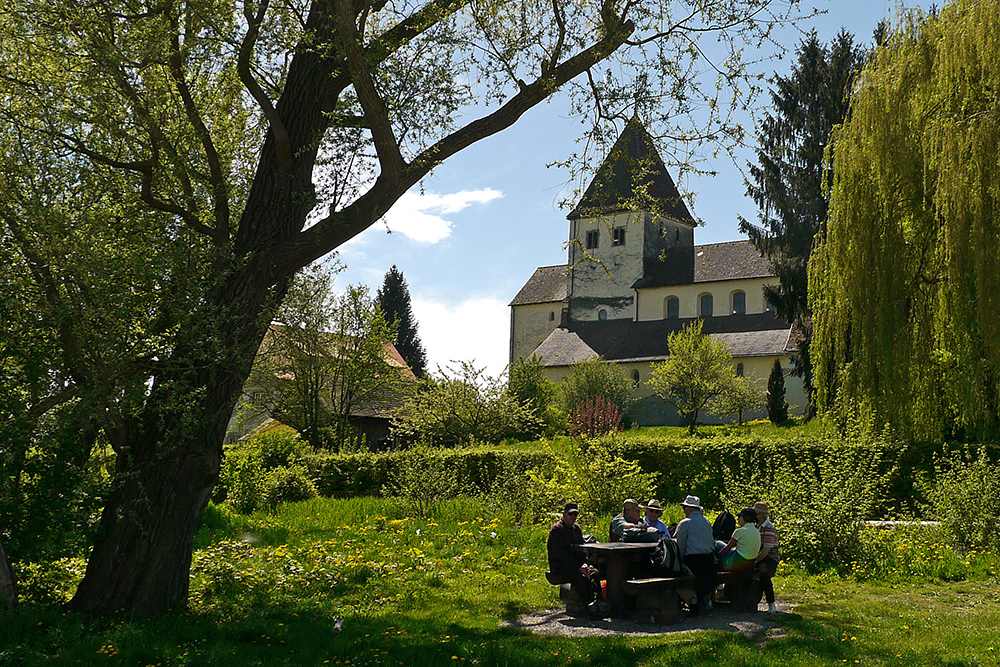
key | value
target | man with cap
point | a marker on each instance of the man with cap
(569, 564)
(629, 518)
(653, 513)
(696, 544)
(767, 560)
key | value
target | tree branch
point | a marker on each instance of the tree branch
(283, 145)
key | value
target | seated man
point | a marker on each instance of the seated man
(629, 518)
(654, 510)
(571, 565)
(696, 544)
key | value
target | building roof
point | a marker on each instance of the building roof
(633, 177)
(546, 284)
(731, 260)
(760, 334)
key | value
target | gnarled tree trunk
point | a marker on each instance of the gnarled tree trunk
(8, 583)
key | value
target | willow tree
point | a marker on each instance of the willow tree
(224, 145)
(905, 287)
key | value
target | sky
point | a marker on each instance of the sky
(472, 234)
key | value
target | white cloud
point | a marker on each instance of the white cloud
(476, 329)
(420, 216)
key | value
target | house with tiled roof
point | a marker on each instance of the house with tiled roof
(634, 275)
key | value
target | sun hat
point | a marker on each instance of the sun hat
(761, 509)
(571, 508)
(692, 501)
(654, 505)
(630, 504)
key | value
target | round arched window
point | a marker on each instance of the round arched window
(706, 305)
(602, 315)
(635, 377)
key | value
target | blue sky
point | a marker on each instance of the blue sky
(489, 216)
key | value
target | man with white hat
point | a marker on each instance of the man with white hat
(696, 544)
(654, 510)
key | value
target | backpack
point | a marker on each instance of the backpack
(666, 558)
(724, 526)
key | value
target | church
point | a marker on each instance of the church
(634, 275)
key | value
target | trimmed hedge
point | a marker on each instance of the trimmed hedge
(686, 465)
(345, 475)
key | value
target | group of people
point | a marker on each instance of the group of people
(752, 545)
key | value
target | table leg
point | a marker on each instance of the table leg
(617, 573)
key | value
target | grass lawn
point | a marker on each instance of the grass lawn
(269, 590)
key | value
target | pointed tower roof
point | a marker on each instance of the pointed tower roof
(633, 177)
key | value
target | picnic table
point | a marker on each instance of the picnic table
(617, 556)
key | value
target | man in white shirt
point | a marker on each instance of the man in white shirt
(696, 544)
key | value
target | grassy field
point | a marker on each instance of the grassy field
(270, 589)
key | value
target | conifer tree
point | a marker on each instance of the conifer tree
(788, 183)
(394, 299)
(777, 407)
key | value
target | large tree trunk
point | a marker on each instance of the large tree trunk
(8, 583)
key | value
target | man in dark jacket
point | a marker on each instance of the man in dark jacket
(569, 564)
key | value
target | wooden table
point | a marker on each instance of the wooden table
(617, 555)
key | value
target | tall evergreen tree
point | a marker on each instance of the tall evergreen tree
(777, 407)
(788, 183)
(394, 299)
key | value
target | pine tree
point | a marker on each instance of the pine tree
(394, 299)
(777, 407)
(788, 183)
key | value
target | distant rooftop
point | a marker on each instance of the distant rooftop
(546, 284)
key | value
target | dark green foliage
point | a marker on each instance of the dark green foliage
(527, 383)
(788, 184)
(287, 485)
(965, 497)
(394, 300)
(777, 407)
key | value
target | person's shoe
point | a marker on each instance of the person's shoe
(771, 609)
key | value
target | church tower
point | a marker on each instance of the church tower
(630, 217)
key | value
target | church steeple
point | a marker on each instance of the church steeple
(633, 178)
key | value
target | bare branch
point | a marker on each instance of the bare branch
(283, 145)
(390, 158)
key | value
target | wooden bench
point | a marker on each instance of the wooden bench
(574, 605)
(742, 591)
(658, 599)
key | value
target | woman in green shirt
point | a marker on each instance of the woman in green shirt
(741, 551)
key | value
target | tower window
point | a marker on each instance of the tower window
(706, 305)
(618, 236)
(602, 314)
(673, 308)
(739, 303)
(592, 239)
(552, 316)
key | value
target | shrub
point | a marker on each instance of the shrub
(593, 417)
(592, 378)
(965, 497)
(777, 408)
(425, 478)
(287, 485)
(245, 482)
(819, 507)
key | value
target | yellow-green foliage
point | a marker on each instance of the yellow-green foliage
(905, 288)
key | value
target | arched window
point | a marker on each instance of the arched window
(739, 370)
(706, 305)
(602, 314)
(635, 377)
(739, 303)
(552, 316)
(673, 308)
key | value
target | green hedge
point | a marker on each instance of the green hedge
(345, 475)
(685, 465)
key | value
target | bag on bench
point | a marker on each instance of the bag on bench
(666, 559)
(724, 526)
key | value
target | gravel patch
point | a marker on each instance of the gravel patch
(557, 622)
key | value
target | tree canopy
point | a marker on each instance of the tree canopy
(790, 183)
(394, 300)
(167, 167)
(698, 371)
(905, 288)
